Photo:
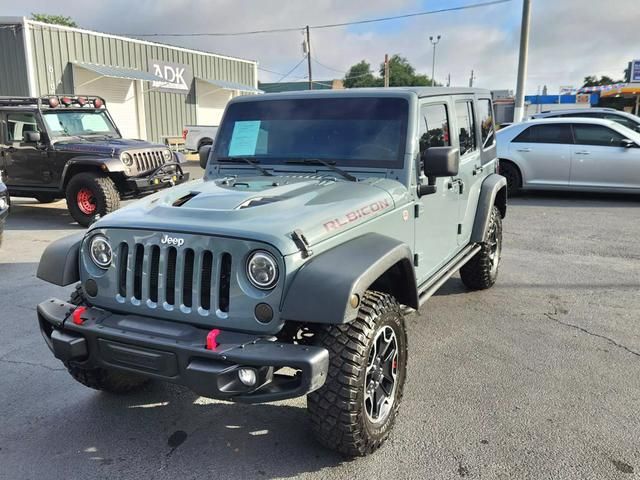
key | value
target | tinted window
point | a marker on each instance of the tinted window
(20, 123)
(485, 115)
(627, 122)
(596, 135)
(554, 133)
(466, 126)
(434, 127)
(350, 131)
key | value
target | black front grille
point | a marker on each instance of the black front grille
(170, 277)
(148, 160)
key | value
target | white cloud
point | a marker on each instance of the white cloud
(570, 38)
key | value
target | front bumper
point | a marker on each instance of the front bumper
(167, 175)
(177, 353)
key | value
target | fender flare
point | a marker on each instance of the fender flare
(321, 290)
(492, 192)
(59, 263)
(113, 165)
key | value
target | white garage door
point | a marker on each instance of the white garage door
(211, 102)
(120, 94)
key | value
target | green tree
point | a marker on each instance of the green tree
(401, 74)
(54, 19)
(594, 81)
(359, 76)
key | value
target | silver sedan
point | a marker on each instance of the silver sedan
(584, 154)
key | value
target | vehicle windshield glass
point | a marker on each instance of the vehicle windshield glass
(67, 123)
(365, 131)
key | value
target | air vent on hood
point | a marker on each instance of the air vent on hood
(182, 200)
(256, 202)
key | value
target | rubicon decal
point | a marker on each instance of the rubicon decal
(356, 215)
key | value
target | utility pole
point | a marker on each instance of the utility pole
(518, 113)
(449, 80)
(433, 63)
(472, 78)
(386, 70)
(308, 45)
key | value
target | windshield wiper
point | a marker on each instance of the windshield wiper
(331, 165)
(253, 163)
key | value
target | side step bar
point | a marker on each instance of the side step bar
(433, 284)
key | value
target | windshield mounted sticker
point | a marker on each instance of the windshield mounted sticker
(244, 138)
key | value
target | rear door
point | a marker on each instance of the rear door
(599, 159)
(544, 154)
(25, 163)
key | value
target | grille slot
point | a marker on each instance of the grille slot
(122, 269)
(225, 282)
(187, 279)
(153, 274)
(137, 272)
(170, 291)
(205, 280)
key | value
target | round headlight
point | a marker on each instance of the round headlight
(166, 154)
(262, 270)
(100, 251)
(127, 159)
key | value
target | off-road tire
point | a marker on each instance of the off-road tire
(105, 195)
(44, 198)
(337, 410)
(481, 272)
(514, 178)
(106, 379)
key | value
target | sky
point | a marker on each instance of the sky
(569, 39)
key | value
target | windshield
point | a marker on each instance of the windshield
(66, 123)
(348, 131)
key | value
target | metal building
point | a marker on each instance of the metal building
(152, 90)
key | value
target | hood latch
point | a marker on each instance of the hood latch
(301, 242)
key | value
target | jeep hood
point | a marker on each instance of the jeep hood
(262, 208)
(102, 145)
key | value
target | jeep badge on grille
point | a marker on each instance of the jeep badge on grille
(167, 240)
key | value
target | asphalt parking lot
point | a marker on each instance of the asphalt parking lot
(538, 377)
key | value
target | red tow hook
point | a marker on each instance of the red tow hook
(212, 344)
(76, 315)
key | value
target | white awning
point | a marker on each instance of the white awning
(118, 72)
(231, 85)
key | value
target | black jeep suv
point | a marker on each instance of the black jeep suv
(67, 146)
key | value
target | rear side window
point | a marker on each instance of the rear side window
(18, 124)
(434, 126)
(553, 133)
(596, 135)
(627, 122)
(466, 126)
(485, 115)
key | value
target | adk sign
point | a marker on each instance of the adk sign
(177, 78)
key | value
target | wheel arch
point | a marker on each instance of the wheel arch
(492, 192)
(93, 164)
(204, 141)
(322, 289)
(516, 166)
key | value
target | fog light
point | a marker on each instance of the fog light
(247, 376)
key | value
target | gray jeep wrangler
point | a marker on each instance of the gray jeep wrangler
(322, 219)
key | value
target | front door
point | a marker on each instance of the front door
(25, 163)
(599, 159)
(437, 214)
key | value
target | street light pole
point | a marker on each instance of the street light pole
(518, 113)
(434, 42)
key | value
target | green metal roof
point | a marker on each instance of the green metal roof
(119, 72)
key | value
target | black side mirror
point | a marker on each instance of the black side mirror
(204, 155)
(31, 137)
(626, 143)
(441, 161)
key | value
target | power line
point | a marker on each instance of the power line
(316, 27)
(292, 70)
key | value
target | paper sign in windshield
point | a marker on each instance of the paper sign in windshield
(244, 138)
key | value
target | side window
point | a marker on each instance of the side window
(552, 133)
(597, 135)
(434, 126)
(627, 122)
(466, 126)
(485, 115)
(18, 124)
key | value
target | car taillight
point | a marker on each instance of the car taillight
(184, 133)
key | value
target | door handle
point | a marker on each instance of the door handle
(458, 182)
(583, 152)
(524, 150)
(478, 169)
